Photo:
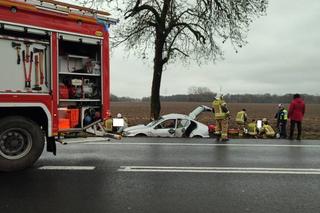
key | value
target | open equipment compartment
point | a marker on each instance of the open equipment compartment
(25, 59)
(80, 80)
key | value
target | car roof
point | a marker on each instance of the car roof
(175, 116)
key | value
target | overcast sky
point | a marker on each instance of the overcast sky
(282, 56)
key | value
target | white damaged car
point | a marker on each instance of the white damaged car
(172, 125)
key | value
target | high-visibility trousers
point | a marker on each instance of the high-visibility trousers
(222, 128)
(241, 129)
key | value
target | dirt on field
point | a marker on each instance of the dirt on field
(139, 113)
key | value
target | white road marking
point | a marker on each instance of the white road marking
(205, 144)
(66, 168)
(239, 170)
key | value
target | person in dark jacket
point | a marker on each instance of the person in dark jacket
(282, 117)
(295, 114)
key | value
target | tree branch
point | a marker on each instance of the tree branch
(137, 9)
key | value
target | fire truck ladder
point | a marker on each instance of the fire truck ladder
(65, 8)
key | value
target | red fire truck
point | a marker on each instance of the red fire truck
(54, 66)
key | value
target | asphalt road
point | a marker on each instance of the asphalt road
(146, 175)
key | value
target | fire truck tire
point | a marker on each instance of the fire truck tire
(21, 143)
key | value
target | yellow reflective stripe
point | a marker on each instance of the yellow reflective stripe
(218, 114)
(252, 128)
(269, 130)
(285, 114)
(240, 116)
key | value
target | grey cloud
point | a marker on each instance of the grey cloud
(282, 56)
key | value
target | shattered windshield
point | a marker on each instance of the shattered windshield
(154, 122)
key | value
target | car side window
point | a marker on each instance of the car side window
(167, 124)
(182, 123)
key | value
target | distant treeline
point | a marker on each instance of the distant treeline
(231, 98)
(239, 98)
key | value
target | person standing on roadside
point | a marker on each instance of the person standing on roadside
(295, 114)
(282, 117)
(221, 115)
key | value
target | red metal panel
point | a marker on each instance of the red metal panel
(49, 21)
(23, 98)
(106, 77)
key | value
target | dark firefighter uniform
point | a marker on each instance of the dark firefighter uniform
(282, 118)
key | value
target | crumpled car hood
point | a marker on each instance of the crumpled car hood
(141, 126)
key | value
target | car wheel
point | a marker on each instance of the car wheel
(140, 135)
(197, 136)
(21, 143)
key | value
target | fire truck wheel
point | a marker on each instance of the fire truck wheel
(21, 143)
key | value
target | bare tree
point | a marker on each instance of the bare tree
(199, 90)
(183, 29)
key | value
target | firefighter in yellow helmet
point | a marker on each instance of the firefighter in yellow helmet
(221, 115)
(266, 131)
(241, 120)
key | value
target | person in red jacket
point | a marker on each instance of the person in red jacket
(295, 114)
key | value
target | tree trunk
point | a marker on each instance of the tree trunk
(156, 82)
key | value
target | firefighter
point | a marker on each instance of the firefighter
(221, 115)
(109, 124)
(125, 123)
(282, 118)
(266, 131)
(252, 128)
(241, 119)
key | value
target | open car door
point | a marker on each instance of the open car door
(182, 125)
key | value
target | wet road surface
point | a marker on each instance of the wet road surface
(169, 175)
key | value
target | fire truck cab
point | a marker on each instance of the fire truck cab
(54, 75)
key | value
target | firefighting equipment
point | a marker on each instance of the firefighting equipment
(40, 71)
(63, 91)
(27, 76)
(89, 88)
(17, 46)
(37, 74)
(81, 88)
(28, 54)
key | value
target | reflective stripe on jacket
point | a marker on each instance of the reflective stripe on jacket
(282, 115)
(268, 130)
(217, 107)
(241, 117)
(252, 128)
